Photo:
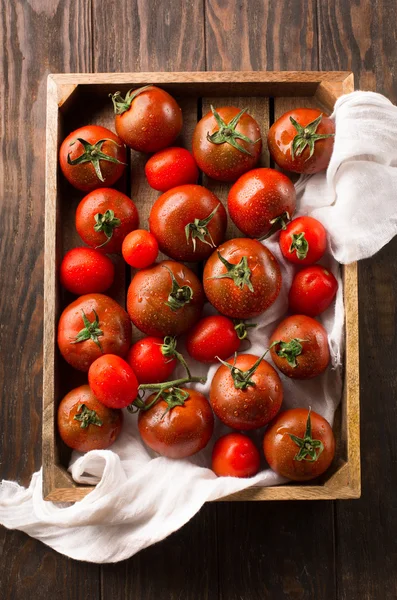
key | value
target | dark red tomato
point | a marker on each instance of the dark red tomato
(147, 119)
(300, 347)
(85, 424)
(177, 432)
(226, 143)
(140, 249)
(312, 291)
(93, 325)
(242, 278)
(261, 202)
(150, 361)
(235, 455)
(165, 299)
(212, 338)
(188, 222)
(299, 444)
(302, 140)
(92, 157)
(246, 392)
(304, 241)
(171, 167)
(113, 381)
(103, 219)
(85, 270)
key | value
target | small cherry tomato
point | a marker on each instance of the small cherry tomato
(299, 444)
(212, 338)
(85, 270)
(113, 381)
(312, 291)
(171, 167)
(140, 249)
(151, 359)
(235, 455)
(303, 241)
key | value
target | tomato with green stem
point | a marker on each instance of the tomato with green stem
(153, 359)
(113, 381)
(312, 291)
(235, 455)
(140, 249)
(85, 270)
(170, 168)
(303, 241)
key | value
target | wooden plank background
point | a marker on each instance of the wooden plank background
(231, 551)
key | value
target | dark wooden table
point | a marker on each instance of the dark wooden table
(234, 551)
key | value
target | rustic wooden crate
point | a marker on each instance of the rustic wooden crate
(74, 100)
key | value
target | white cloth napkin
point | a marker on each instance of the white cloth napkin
(141, 498)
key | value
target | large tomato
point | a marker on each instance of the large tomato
(171, 167)
(165, 299)
(242, 278)
(92, 157)
(312, 291)
(188, 222)
(246, 392)
(299, 444)
(261, 201)
(147, 119)
(90, 326)
(226, 143)
(304, 241)
(302, 140)
(235, 455)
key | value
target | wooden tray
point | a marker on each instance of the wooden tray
(74, 100)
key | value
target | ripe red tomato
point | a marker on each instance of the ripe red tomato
(299, 444)
(302, 140)
(188, 222)
(113, 381)
(149, 360)
(226, 143)
(212, 338)
(140, 249)
(104, 217)
(312, 291)
(147, 119)
(180, 431)
(171, 167)
(246, 392)
(242, 278)
(302, 351)
(93, 325)
(85, 270)
(304, 241)
(235, 455)
(85, 424)
(92, 157)
(165, 299)
(261, 201)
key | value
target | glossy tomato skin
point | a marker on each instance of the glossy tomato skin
(140, 249)
(280, 449)
(314, 357)
(170, 168)
(257, 198)
(113, 381)
(177, 208)
(312, 291)
(212, 338)
(93, 437)
(153, 121)
(181, 431)
(223, 162)
(282, 132)
(85, 270)
(98, 202)
(249, 408)
(83, 176)
(148, 294)
(114, 324)
(265, 278)
(313, 233)
(235, 455)
(148, 362)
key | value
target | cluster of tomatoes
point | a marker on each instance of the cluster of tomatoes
(241, 278)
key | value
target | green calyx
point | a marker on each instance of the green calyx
(90, 331)
(121, 104)
(106, 222)
(289, 350)
(179, 295)
(300, 245)
(199, 230)
(227, 132)
(309, 449)
(240, 273)
(242, 327)
(93, 154)
(87, 417)
(277, 223)
(174, 396)
(306, 136)
(242, 379)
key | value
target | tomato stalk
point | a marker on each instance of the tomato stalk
(93, 154)
(242, 379)
(242, 327)
(306, 136)
(168, 390)
(277, 223)
(308, 447)
(121, 104)
(168, 349)
(106, 222)
(240, 273)
(227, 132)
(198, 229)
(300, 245)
